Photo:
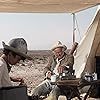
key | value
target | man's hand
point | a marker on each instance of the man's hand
(18, 80)
(61, 69)
(48, 74)
(21, 81)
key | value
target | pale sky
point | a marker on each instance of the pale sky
(42, 30)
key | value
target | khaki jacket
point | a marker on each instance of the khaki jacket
(67, 60)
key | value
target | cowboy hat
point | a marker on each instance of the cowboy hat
(58, 45)
(19, 46)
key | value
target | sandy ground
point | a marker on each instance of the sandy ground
(32, 73)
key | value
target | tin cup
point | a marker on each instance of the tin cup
(53, 78)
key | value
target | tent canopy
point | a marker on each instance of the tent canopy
(46, 6)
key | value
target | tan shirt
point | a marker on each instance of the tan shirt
(67, 60)
(57, 65)
(4, 75)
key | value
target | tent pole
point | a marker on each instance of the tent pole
(73, 27)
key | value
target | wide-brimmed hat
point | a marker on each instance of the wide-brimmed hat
(19, 46)
(57, 45)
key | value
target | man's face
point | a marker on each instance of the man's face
(13, 59)
(58, 52)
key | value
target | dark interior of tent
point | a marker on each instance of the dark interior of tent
(98, 74)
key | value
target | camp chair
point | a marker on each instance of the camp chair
(13, 93)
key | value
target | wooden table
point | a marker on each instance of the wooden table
(74, 85)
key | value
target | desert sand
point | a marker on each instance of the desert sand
(32, 71)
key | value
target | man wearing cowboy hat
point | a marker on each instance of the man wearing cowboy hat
(15, 51)
(57, 64)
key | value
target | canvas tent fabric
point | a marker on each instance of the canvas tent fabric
(46, 6)
(88, 48)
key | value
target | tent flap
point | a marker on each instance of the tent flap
(88, 48)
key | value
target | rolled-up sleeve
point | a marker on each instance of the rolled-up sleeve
(1, 72)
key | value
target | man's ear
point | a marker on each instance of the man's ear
(10, 53)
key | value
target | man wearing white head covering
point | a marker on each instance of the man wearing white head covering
(57, 64)
(15, 51)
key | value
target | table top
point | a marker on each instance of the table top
(71, 82)
(76, 82)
